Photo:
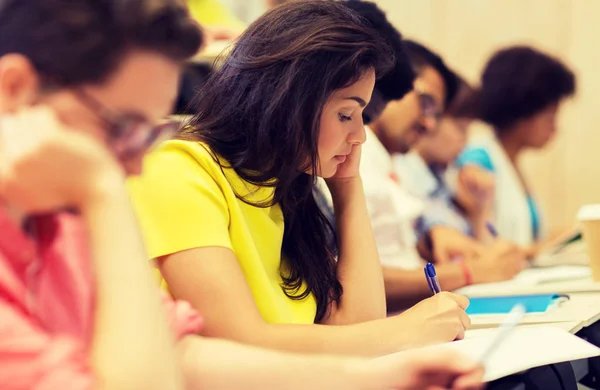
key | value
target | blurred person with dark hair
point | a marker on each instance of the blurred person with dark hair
(461, 201)
(79, 308)
(404, 121)
(521, 92)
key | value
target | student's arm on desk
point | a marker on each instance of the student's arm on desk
(212, 281)
(211, 363)
(132, 344)
(501, 261)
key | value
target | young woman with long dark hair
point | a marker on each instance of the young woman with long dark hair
(228, 208)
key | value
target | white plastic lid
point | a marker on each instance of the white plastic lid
(589, 212)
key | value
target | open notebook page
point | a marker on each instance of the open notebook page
(533, 280)
(526, 347)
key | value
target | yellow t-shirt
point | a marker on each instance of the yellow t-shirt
(185, 200)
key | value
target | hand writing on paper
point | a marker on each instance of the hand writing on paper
(438, 319)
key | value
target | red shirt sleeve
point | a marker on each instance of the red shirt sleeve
(33, 359)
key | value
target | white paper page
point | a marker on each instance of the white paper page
(574, 254)
(478, 332)
(526, 347)
(529, 281)
(552, 274)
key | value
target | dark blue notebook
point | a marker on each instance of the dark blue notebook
(502, 305)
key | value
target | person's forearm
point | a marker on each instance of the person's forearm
(359, 269)
(369, 339)
(219, 364)
(478, 220)
(405, 288)
(479, 226)
(132, 346)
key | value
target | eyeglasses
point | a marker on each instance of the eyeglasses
(130, 134)
(429, 105)
(431, 112)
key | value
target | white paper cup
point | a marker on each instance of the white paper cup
(589, 218)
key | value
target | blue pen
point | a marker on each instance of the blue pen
(432, 278)
(492, 229)
(428, 279)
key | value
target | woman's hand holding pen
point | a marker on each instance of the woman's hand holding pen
(438, 319)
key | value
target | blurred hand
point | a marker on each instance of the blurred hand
(475, 192)
(449, 243)
(441, 318)
(45, 166)
(553, 239)
(438, 367)
(502, 261)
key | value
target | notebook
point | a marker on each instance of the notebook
(531, 280)
(524, 348)
(540, 303)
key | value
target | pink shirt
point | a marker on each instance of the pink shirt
(47, 305)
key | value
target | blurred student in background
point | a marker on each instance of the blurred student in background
(228, 208)
(521, 92)
(462, 202)
(78, 305)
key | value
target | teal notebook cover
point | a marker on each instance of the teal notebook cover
(503, 305)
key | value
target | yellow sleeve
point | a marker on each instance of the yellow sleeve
(179, 203)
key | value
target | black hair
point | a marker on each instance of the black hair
(70, 42)
(398, 81)
(260, 111)
(518, 82)
(422, 57)
(463, 105)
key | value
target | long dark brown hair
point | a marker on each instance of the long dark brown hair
(260, 112)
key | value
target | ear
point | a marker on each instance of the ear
(19, 82)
